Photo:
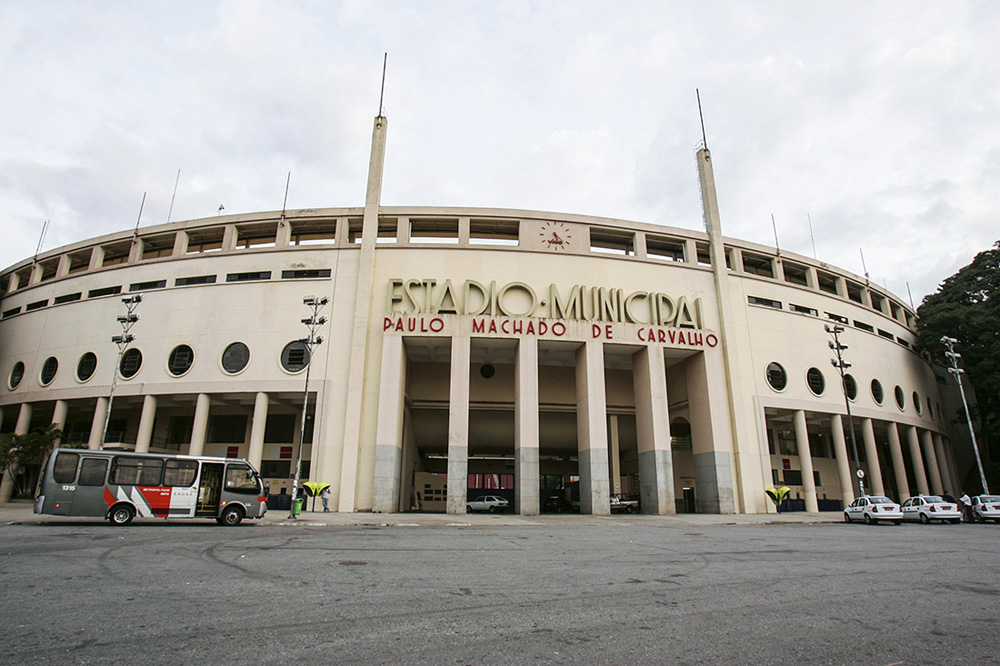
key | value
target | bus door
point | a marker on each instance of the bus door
(209, 490)
(88, 499)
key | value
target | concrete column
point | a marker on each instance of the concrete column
(710, 440)
(230, 237)
(805, 461)
(458, 426)
(526, 499)
(62, 268)
(690, 251)
(59, 417)
(257, 430)
(181, 239)
(97, 425)
(146, 424)
(20, 428)
(873, 482)
(947, 478)
(898, 466)
(283, 236)
(389, 433)
(652, 422)
(199, 429)
(96, 258)
(614, 456)
(778, 269)
(592, 430)
(843, 460)
(930, 458)
(918, 462)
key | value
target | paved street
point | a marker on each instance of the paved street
(496, 590)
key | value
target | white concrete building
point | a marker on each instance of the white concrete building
(504, 351)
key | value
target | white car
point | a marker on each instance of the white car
(926, 508)
(986, 507)
(489, 503)
(873, 508)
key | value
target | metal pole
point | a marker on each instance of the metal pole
(127, 321)
(313, 340)
(838, 349)
(957, 371)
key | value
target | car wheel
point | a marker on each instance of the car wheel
(468, 509)
(629, 509)
(847, 517)
(924, 519)
(869, 520)
(976, 517)
(897, 522)
(122, 514)
(493, 509)
(956, 521)
(231, 516)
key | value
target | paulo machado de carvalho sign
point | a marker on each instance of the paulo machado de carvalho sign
(515, 309)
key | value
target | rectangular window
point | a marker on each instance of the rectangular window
(793, 477)
(64, 468)
(37, 305)
(11, 312)
(801, 309)
(433, 231)
(240, 479)
(766, 302)
(816, 479)
(127, 471)
(227, 429)
(181, 473)
(314, 232)
(775, 477)
(661, 247)
(275, 469)
(796, 274)
(67, 298)
(837, 318)
(612, 241)
(863, 326)
(146, 286)
(758, 265)
(104, 291)
(854, 292)
(93, 471)
(886, 334)
(306, 274)
(179, 431)
(197, 279)
(279, 429)
(493, 232)
(827, 282)
(248, 277)
(903, 342)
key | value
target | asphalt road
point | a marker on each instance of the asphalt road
(196, 593)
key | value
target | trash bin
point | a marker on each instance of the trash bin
(297, 506)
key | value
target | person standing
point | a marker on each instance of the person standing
(325, 496)
(966, 506)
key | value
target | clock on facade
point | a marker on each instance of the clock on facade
(555, 236)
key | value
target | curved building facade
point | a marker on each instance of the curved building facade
(480, 351)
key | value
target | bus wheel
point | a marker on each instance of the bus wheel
(121, 514)
(231, 516)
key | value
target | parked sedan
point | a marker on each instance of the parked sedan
(873, 508)
(490, 503)
(986, 507)
(926, 508)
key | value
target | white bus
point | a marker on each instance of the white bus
(120, 485)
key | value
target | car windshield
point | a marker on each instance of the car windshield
(933, 499)
(881, 500)
(989, 498)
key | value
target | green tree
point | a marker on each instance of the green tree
(24, 457)
(967, 307)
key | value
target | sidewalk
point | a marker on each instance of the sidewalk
(20, 512)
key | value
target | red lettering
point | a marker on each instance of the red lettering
(607, 332)
(673, 336)
(503, 326)
(697, 339)
(640, 335)
(478, 325)
(518, 327)
(423, 325)
(493, 325)
(543, 327)
(531, 328)
(711, 340)
(438, 323)
(560, 332)
(386, 324)
(399, 324)
(411, 324)
(595, 330)
(661, 335)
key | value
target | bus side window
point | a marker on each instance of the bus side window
(93, 471)
(64, 469)
(180, 473)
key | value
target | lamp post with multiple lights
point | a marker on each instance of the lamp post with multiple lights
(127, 321)
(313, 322)
(953, 357)
(841, 366)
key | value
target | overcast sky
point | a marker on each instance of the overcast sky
(880, 121)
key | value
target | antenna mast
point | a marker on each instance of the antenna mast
(811, 237)
(701, 117)
(774, 227)
(141, 205)
(41, 239)
(284, 204)
(865, 268)
(385, 60)
(173, 196)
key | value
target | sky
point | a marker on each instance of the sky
(869, 130)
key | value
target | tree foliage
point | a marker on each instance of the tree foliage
(24, 456)
(967, 307)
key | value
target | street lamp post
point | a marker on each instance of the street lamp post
(313, 322)
(953, 356)
(841, 366)
(127, 321)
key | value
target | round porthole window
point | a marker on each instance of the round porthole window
(916, 403)
(487, 371)
(850, 386)
(235, 358)
(900, 398)
(295, 356)
(180, 360)
(878, 395)
(16, 375)
(816, 381)
(776, 376)
(49, 370)
(86, 366)
(131, 362)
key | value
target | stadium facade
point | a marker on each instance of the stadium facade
(482, 351)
